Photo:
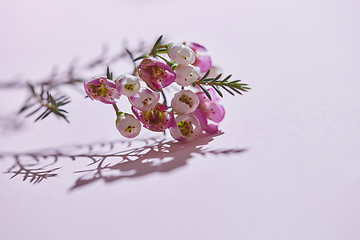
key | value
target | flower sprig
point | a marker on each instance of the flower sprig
(44, 101)
(187, 65)
(216, 84)
(73, 76)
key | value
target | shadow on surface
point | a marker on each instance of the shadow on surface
(162, 156)
(140, 158)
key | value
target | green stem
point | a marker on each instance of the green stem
(141, 57)
(116, 109)
(241, 86)
(165, 101)
(167, 61)
(172, 64)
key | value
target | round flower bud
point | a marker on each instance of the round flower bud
(181, 54)
(186, 74)
(128, 85)
(186, 128)
(145, 99)
(128, 125)
(185, 102)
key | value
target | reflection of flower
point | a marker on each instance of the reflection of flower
(156, 73)
(202, 59)
(156, 119)
(128, 125)
(101, 89)
(186, 128)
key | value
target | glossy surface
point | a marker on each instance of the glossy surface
(286, 167)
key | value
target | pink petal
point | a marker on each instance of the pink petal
(216, 112)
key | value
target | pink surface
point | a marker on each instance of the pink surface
(286, 166)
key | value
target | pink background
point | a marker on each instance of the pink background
(286, 167)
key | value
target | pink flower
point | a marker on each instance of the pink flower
(128, 125)
(202, 59)
(209, 128)
(156, 119)
(156, 74)
(210, 108)
(101, 89)
(145, 99)
(186, 128)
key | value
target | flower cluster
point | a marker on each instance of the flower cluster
(194, 107)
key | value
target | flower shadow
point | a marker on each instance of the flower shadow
(104, 162)
(160, 157)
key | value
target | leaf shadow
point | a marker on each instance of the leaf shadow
(104, 162)
(159, 157)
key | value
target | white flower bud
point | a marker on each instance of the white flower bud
(128, 85)
(185, 102)
(181, 54)
(187, 128)
(187, 74)
(128, 125)
(145, 99)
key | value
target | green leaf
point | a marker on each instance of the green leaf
(108, 74)
(227, 78)
(44, 113)
(64, 103)
(217, 77)
(227, 90)
(158, 41)
(47, 114)
(205, 75)
(217, 90)
(161, 50)
(205, 91)
(130, 54)
(33, 112)
(25, 107)
(31, 88)
(235, 90)
(235, 81)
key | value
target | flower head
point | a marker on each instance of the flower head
(186, 128)
(145, 99)
(128, 125)
(181, 54)
(210, 108)
(156, 74)
(101, 89)
(209, 128)
(128, 85)
(186, 74)
(156, 119)
(202, 59)
(185, 102)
